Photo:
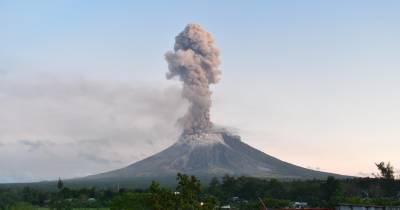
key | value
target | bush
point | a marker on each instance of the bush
(22, 206)
(131, 201)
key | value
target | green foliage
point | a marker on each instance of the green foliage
(276, 189)
(60, 184)
(385, 171)
(309, 191)
(331, 191)
(386, 174)
(249, 206)
(131, 201)
(276, 203)
(22, 206)
(214, 188)
(59, 204)
(372, 201)
(249, 188)
(189, 189)
(186, 196)
(9, 197)
(162, 198)
(209, 203)
(239, 192)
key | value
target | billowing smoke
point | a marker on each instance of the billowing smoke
(195, 61)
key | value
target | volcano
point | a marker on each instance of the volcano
(201, 149)
(207, 155)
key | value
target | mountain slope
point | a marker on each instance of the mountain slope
(208, 155)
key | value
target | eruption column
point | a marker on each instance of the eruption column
(195, 61)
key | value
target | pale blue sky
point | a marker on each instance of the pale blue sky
(311, 82)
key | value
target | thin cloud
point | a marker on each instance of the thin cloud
(96, 158)
(34, 145)
(102, 125)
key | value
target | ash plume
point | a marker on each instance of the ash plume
(195, 62)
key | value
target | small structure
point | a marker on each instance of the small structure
(365, 207)
(235, 198)
(91, 200)
(300, 205)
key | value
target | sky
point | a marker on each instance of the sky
(83, 87)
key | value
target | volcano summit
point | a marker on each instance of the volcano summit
(203, 150)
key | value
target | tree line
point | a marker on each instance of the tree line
(190, 193)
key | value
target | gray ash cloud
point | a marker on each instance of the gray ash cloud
(195, 62)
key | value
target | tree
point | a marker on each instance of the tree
(60, 184)
(214, 187)
(276, 189)
(386, 171)
(386, 175)
(161, 198)
(131, 201)
(58, 201)
(209, 203)
(228, 187)
(331, 191)
(189, 189)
